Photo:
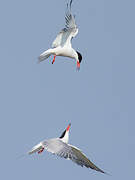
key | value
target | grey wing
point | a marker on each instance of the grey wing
(61, 38)
(82, 160)
(58, 147)
(70, 21)
(67, 151)
(68, 32)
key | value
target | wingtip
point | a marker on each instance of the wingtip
(107, 174)
(71, 4)
(104, 172)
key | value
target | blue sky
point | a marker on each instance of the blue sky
(37, 101)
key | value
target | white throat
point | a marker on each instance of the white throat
(66, 137)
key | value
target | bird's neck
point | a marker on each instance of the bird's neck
(66, 137)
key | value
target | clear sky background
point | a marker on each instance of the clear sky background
(37, 101)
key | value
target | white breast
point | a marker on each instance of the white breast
(64, 51)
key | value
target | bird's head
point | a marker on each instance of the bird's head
(65, 135)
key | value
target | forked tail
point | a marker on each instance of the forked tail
(36, 148)
(44, 55)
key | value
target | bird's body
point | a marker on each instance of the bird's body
(58, 51)
(60, 147)
(62, 46)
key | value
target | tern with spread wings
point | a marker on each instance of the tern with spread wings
(60, 147)
(62, 46)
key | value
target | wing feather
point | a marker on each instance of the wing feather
(70, 30)
(67, 151)
(82, 160)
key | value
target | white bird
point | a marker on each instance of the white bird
(62, 46)
(60, 147)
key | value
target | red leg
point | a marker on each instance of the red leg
(54, 59)
(41, 150)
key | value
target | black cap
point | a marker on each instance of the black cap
(79, 57)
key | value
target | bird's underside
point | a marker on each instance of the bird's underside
(67, 151)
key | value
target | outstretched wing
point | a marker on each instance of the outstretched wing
(65, 35)
(55, 146)
(58, 147)
(67, 151)
(82, 160)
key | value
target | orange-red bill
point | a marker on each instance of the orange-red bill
(78, 65)
(68, 127)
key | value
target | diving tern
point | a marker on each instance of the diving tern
(60, 147)
(62, 46)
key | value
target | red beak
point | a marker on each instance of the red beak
(68, 127)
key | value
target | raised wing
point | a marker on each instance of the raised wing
(65, 35)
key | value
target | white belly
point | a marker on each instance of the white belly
(67, 52)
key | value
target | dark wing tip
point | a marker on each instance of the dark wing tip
(98, 169)
(71, 4)
(107, 173)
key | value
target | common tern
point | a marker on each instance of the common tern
(62, 46)
(60, 147)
